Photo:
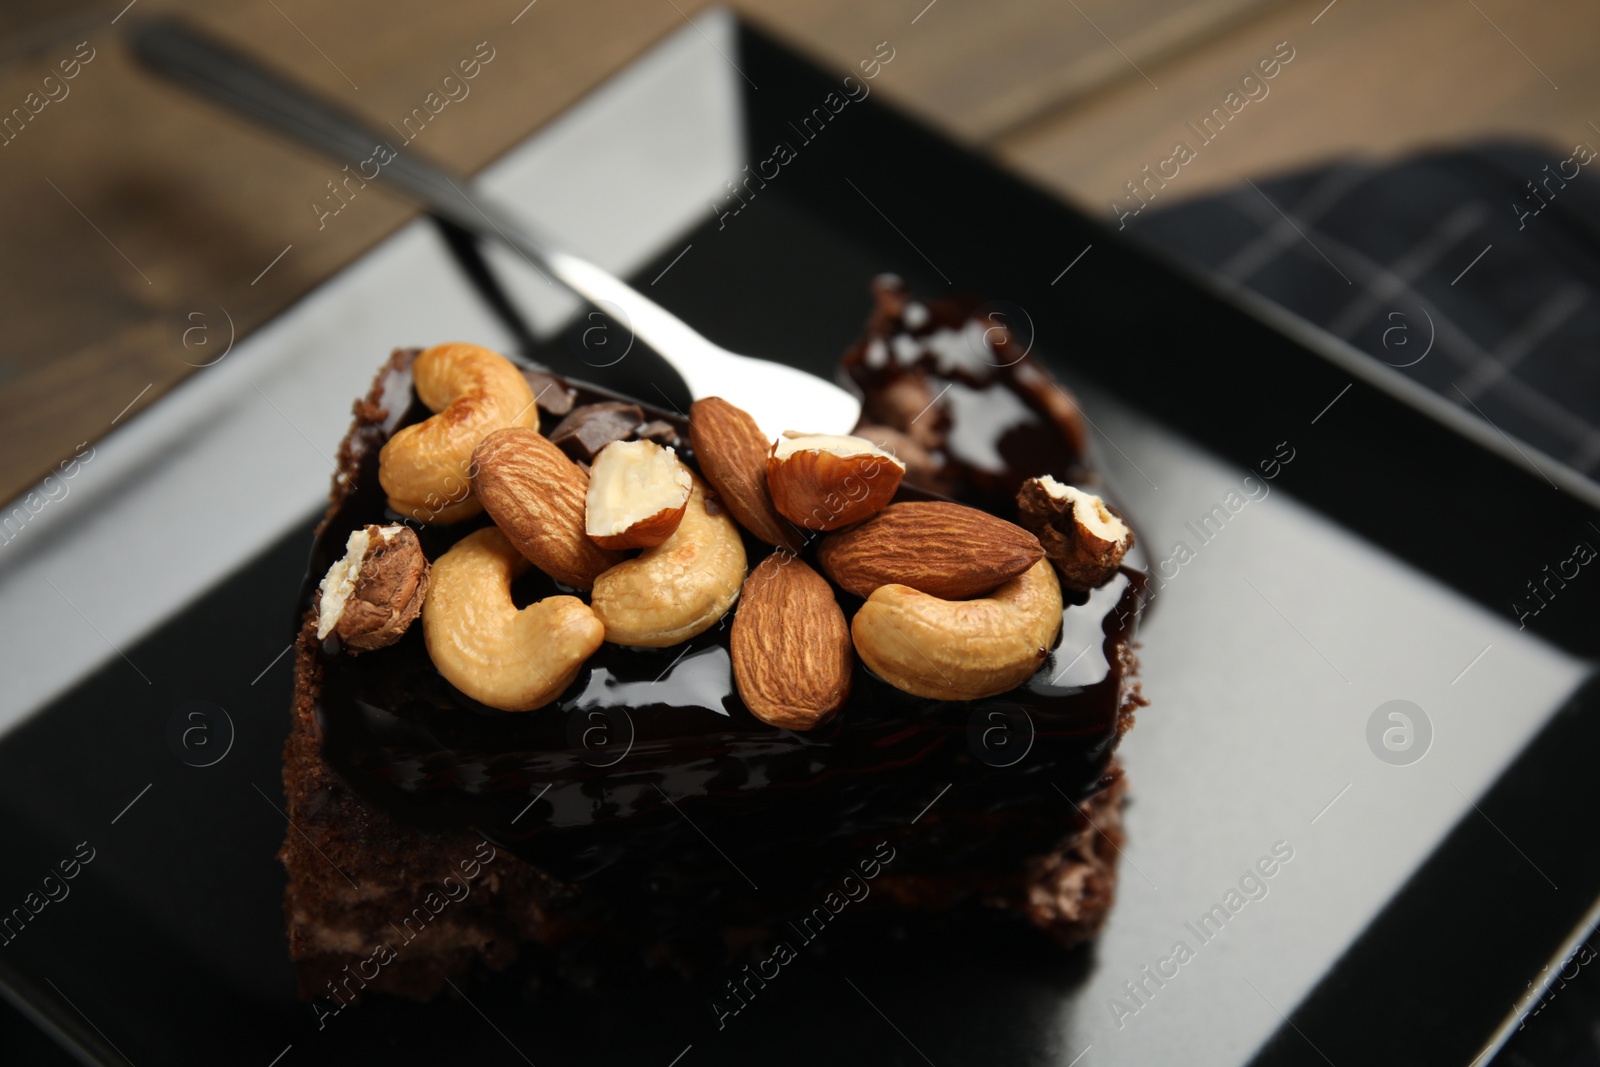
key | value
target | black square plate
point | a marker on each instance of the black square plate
(1404, 934)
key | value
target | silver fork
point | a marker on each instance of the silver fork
(778, 396)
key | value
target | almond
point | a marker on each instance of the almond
(790, 645)
(536, 495)
(638, 492)
(828, 481)
(732, 452)
(945, 550)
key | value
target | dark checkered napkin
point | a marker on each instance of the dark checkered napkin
(1491, 253)
(1474, 272)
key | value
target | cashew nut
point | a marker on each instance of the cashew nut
(426, 468)
(960, 649)
(508, 659)
(679, 588)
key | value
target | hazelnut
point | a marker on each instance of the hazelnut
(678, 589)
(828, 481)
(1082, 535)
(638, 492)
(922, 467)
(370, 596)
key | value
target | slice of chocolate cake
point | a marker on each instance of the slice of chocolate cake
(598, 707)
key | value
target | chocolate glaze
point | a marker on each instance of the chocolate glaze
(650, 757)
(953, 376)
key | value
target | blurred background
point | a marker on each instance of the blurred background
(1404, 143)
(127, 201)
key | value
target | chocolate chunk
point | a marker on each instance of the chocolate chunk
(658, 431)
(583, 433)
(551, 393)
(906, 402)
(1052, 397)
(889, 299)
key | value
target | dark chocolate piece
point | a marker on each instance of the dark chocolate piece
(659, 431)
(551, 393)
(588, 429)
(946, 374)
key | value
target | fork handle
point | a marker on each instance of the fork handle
(231, 79)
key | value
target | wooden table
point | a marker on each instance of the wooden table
(128, 204)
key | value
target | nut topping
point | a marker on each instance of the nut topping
(921, 467)
(426, 468)
(637, 495)
(514, 660)
(679, 588)
(827, 481)
(369, 597)
(960, 650)
(732, 453)
(537, 496)
(790, 645)
(944, 550)
(1083, 536)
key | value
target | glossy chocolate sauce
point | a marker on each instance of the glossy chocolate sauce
(649, 780)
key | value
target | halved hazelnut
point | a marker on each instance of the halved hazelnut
(921, 467)
(370, 596)
(826, 481)
(1081, 534)
(680, 588)
(637, 494)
